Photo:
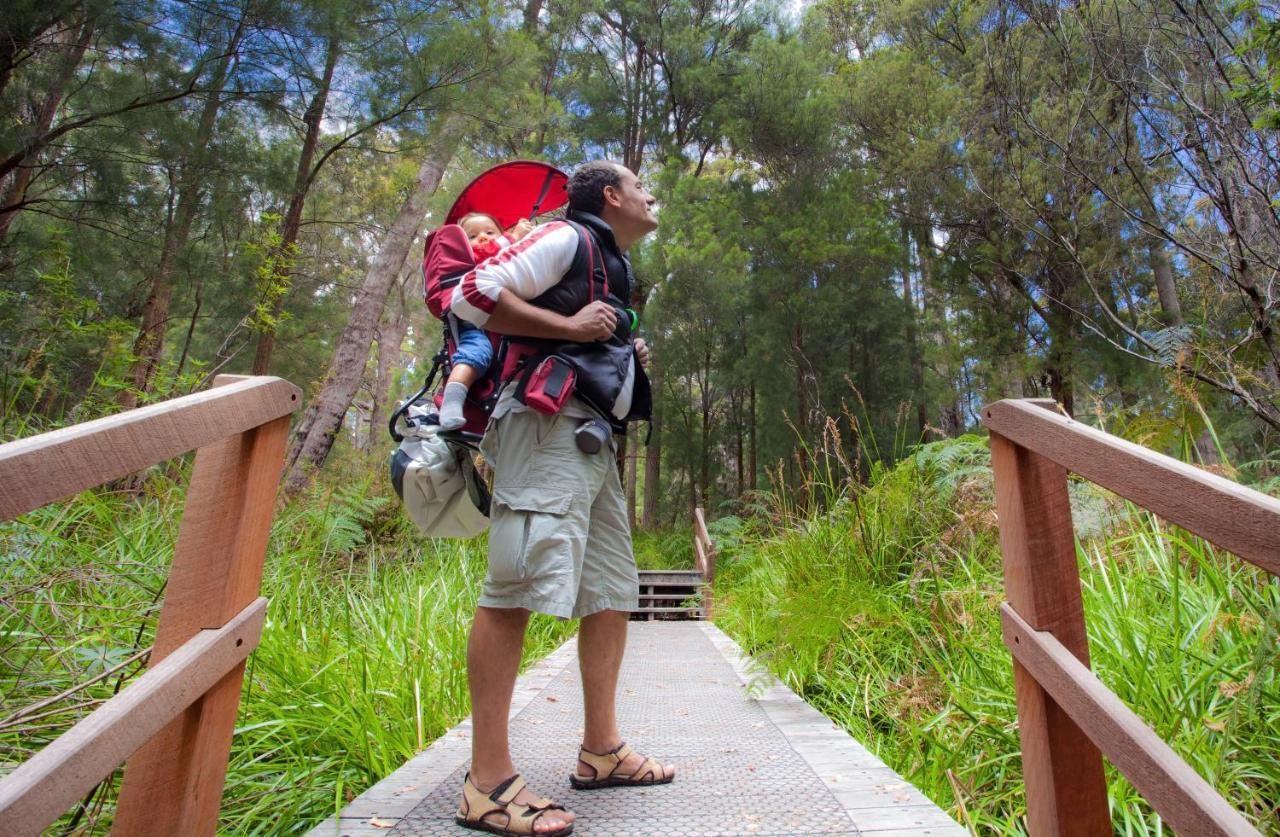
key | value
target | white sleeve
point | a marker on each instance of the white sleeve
(527, 269)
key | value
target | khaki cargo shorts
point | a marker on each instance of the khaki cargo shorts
(559, 536)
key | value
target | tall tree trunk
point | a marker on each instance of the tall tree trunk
(751, 454)
(653, 453)
(802, 416)
(319, 426)
(390, 338)
(149, 345)
(934, 317)
(1010, 340)
(1062, 338)
(191, 327)
(531, 11)
(282, 264)
(913, 342)
(704, 457)
(16, 194)
(739, 446)
(1166, 290)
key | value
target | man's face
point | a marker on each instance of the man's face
(634, 204)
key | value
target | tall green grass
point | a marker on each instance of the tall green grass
(882, 611)
(361, 664)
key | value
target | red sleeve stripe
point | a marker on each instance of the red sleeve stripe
(474, 297)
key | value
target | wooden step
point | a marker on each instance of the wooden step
(670, 577)
(687, 612)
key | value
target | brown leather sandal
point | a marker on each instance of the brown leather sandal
(477, 805)
(605, 768)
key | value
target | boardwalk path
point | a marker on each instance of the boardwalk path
(752, 757)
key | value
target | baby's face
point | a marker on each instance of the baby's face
(480, 230)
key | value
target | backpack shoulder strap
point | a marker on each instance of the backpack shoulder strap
(589, 251)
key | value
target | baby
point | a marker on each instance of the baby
(474, 352)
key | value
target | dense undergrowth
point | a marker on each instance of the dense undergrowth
(881, 610)
(361, 663)
(883, 613)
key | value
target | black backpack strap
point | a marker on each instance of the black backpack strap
(588, 248)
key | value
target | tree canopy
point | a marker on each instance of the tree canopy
(876, 215)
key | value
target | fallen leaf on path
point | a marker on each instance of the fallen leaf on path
(380, 823)
(552, 698)
(407, 788)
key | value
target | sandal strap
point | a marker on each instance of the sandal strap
(501, 800)
(478, 803)
(506, 793)
(651, 767)
(604, 764)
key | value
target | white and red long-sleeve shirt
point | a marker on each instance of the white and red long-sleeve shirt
(528, 268)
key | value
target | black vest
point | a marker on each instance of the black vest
(599, 271)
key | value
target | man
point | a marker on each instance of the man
(559, 538)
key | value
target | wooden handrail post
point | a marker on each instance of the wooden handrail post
(1065, 786)
(173, 784)
(704, 551)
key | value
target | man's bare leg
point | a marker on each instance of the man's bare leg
(493, 660)
(602, 639)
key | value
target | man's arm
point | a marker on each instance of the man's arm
(512, 315)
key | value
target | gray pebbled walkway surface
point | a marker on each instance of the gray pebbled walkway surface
(751, 757)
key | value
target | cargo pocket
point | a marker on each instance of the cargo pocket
(529, 534)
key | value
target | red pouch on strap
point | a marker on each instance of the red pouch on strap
(548, 385)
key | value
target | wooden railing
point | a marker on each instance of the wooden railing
(1067, 719)
(704, 559)
(173, 724)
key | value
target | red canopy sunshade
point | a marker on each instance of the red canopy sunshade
(511, 191)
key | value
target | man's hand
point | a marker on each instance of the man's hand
(596, 321)
(642, 351)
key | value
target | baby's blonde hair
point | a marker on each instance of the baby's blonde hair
(465, 218)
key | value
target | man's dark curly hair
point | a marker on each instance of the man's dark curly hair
(586, 185)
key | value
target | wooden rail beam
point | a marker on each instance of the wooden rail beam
(1225, 513)
(1182, 798)
(1065, 785)
(48, 467)
(42, 788)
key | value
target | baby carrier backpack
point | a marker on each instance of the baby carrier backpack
(434, 473)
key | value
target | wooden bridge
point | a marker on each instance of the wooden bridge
(753, 758)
